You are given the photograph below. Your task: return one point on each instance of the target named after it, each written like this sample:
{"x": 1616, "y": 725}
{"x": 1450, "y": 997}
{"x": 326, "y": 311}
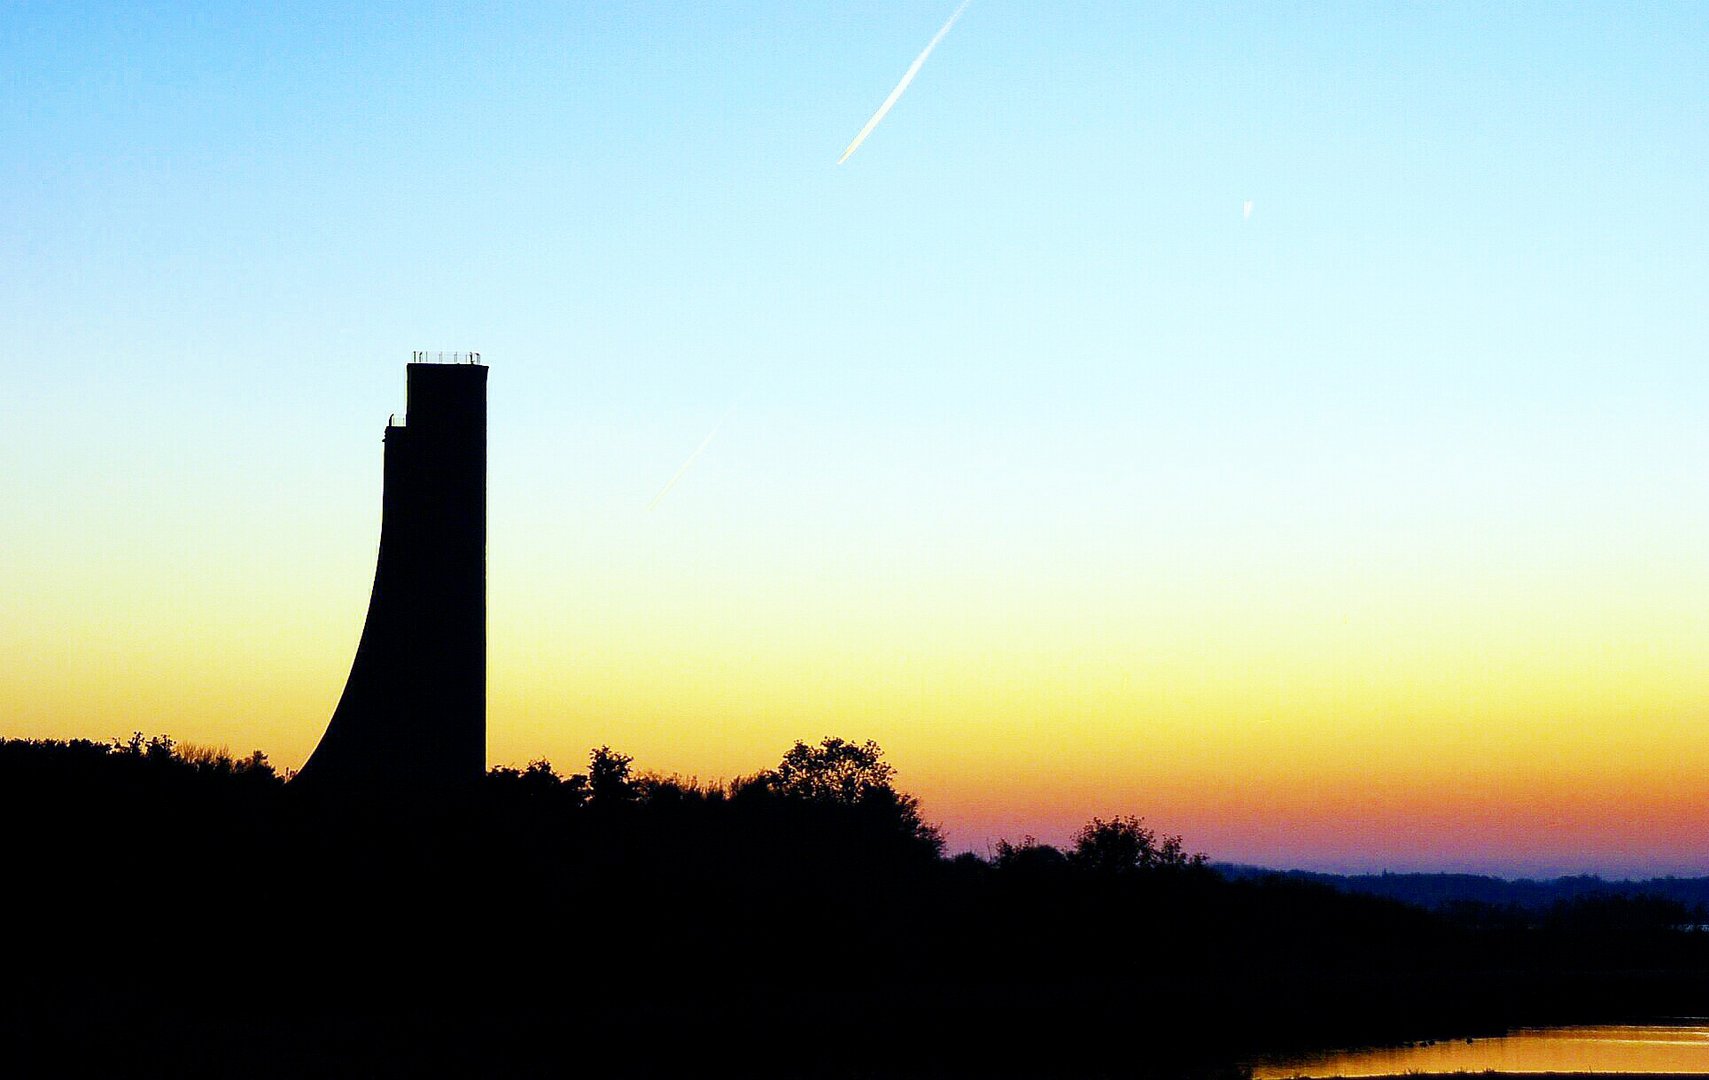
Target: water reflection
{"x": 1635, "y": 1049}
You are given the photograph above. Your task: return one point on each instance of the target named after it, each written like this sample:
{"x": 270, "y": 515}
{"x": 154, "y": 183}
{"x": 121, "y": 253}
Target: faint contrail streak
{"x": 907, "y": 77}
{"x": 704, "y": 443}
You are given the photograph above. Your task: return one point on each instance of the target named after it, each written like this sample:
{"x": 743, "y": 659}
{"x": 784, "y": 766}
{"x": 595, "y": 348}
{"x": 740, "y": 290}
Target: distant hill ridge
{"x": 1439, "y": 891}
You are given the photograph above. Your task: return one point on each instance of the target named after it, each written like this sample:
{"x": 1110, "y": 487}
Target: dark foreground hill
{"x": 172, "y": 911}
{"x": 1441, "y": 892}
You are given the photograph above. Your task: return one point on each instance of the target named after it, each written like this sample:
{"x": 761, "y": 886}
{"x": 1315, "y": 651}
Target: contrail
{"x": 704, "y": 443}
{"x": 907, "y": 77}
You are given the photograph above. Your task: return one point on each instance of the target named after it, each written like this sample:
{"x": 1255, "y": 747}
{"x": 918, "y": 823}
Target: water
{"x": 1658, "y": 1049}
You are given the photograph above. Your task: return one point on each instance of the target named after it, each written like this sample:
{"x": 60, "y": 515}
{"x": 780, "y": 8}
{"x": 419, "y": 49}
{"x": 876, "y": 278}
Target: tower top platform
{"x": 435, "y": 356}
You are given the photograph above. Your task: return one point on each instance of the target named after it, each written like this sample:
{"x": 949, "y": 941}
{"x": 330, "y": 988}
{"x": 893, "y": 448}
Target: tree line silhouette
{"x": 1522, "y": 898}
{"x": 174, "y": 906}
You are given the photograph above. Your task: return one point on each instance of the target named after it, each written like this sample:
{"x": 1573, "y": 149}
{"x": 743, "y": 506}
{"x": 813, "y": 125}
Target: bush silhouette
{"x": 1028, "y": 857}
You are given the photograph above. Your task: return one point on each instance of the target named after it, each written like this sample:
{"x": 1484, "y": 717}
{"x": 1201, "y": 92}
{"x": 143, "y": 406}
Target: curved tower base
{"x": 414, "y": 711}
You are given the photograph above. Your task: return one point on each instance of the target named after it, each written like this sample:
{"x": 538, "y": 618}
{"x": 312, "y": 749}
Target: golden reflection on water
{"x": 1645, "y": 1049}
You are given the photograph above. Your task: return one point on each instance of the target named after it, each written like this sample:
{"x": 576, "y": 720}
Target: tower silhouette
{"x": 414, "y": 710}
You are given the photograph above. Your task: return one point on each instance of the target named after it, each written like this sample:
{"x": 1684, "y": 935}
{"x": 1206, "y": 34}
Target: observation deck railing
{"x": 428, "y": 356}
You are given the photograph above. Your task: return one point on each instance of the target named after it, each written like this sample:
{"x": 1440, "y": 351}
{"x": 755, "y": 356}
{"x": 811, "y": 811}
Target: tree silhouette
{"x": 852, "y": 776}
{"x": 752, "y": 916}
{"x": 1124, "y": 845}
{"x": 608, "y": 778}
{"x": 835, "y": 771}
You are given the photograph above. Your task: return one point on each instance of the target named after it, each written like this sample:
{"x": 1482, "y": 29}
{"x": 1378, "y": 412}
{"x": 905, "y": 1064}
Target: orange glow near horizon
{"x": 1291, "y": 713}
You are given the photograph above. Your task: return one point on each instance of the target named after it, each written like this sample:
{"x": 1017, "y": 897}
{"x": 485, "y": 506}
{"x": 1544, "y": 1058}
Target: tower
{"x": 414, "y": 710}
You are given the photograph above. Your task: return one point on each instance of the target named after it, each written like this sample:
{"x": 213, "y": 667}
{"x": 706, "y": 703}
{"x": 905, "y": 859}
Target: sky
{"x": 1363, "y": 529}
